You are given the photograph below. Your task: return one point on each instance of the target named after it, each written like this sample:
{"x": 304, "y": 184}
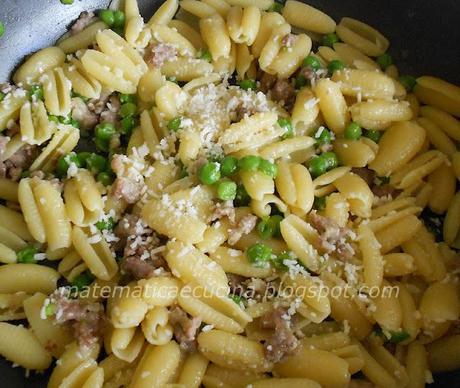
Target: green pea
{"x": 50, "y": 309}
{"x": 269, "y": 227}
{"x": 264, "y": 229}
{"x": 384, "y": 61}
{"x": 408, "y": 82}
{"x": 106, "y": 178}
{"x": 238, "y": 299}
{"x": 353, "y": 131}
{"x": 64, "y": 162}
{"x": 247, "y": 84}
{"x": 278, "y": 260}
{"x": 128, "y": 109}
{"x": 83, "y": 157}
{"x": 398, "y": 336}
{"x": 226, "y": 190}
{"x": 319, "y": 203}
{"x": 96, "y": 163}
{"x": 335, "y": 65}
{"x": 2, "y": 29}
{"x": 127, "y": 125}
{"x": 276, "y": 7}
{"x": 54, "y": 119}
{"x": 312, "y": 62}
{"x": 323, "y": 136}
{"x": 242, "y": 197}
{"x": 317, "y": 166}
{"x": 102, "y": 145}
{"x": 330, "y": 39}
{"x": 65, "y": 120}
{"x": 106, "y": 224}
{"x": 106, "y": 15}
{"x": 36, "y": 93}
{"x": 67, "y": 2}
{"x": 274, "y": 221}
{"x": 300, "y": 81}
{"x": 119, "y": 19}
{"x": 259, "y": 254}
{"x": 204, "y": 54}
{"x": 287, "y": 125}
{"x": 83, "y": 280}
{"x": 229, "y": 166}
{"x": 175, "y": 124}
{"x": 104, "y": 131}
{"x": 268, "y": 168}
{"x": 2, "y": 96}
{"x": 249, "y": 163}
{"x": 331, "y": 160}
{"x": 125, "y": 98}
{"x": 25, "y": 174}
{"x": 209, "y": 173}
{"x": 74, "y": 123}
{"x": 373, "y": 134}
{"x": 27, "y": 255}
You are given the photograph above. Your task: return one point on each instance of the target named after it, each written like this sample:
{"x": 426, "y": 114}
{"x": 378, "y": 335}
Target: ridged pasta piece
{"x": 127, "y": 343}
{"x": 217, "y": 376}
{"x": 324, "y": 367}
{"x": 157, "y": 366}
{"x": 156, "y": 327}
{"x": 387, "y": 308}
{"x": 438, "y": 93}
{"x": 35, "y": 128}
{"x": 262, "y": 208}
{"x": 219, "y": 311}
{"x": 243, "y": 24}
{"x": 56, "y": 91}
{"x": 398, "y": 145}
{"x": 444, "y": 355}
{"x": 193, "y": 370}
{"x": 337, "y": 208}
{"x": 398, "y": 264}
{"x": 305, "y": 111}
{"x": 38, "y": 64}
{"x": 451, "y": 227}
{"x": 96, "y": 254}
{"x": 44, "y": 212}
{"x": 29, "y": 278}
{"x": 233, "y": 351}
{"x": 252, "y": 131}
{"x": 443, "y": 185}
{"x": 127, "y": 307}
{"x": 160, "y": 290}
{"x": 10, "y": 108}
{"x": 354, "y": 58}
{"x": 332, "y": 105}
{"x": 236, "y": 262}
{"x": 444, "y": 120}
{"x": 10, "y": 244}
{"x": 268, "y": 23}
{"x": 437, "y": 137}
{"x": 82, "y": 82}
{"x": 20, "y": 346}
{"x": 372, "y": 259}
{"x": 76, "y": 367}
{"x": 164, "y": 13}
{"x": 299, "y": 237}
{"x": 295, "y": 187}
{"x": 63, "y": 141}
{"x": 81, "y": 40}
{"x": 117, "y": 64}
{"x": 357, "y": 193}
{"x": 190, "y": 265}
{"x": 411, "y": 322}
{"x": 285, "y": 383}
{"x": 398, "y": 232}
{"x": 83, "y": 201}
{"x": 216, "y": 35}
{"x": 364, "y": 83}
{"x": 353, "y": 153}
{"x": 379, "y": 114}
{"x": 307, "y": 18}
{"x": 362, "y": 36}
{"x": 257, "y": 184}
{"x": 52, "y": 337}
{"x": 71, "y": 265}
{"x": 136, "y": 33}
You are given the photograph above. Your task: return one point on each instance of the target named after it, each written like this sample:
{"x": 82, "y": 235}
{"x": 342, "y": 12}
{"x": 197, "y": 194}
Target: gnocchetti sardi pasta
{"x": 232, "y": 193}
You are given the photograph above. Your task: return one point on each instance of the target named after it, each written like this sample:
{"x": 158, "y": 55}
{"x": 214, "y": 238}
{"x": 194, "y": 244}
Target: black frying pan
{"x": 424, "y": 36}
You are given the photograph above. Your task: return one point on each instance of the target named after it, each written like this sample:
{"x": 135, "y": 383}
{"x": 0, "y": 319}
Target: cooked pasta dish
{"x": 234, "y": 193}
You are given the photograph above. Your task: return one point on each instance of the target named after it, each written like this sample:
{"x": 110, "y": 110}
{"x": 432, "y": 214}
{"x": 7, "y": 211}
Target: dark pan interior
{"x": 424, "y": 36}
